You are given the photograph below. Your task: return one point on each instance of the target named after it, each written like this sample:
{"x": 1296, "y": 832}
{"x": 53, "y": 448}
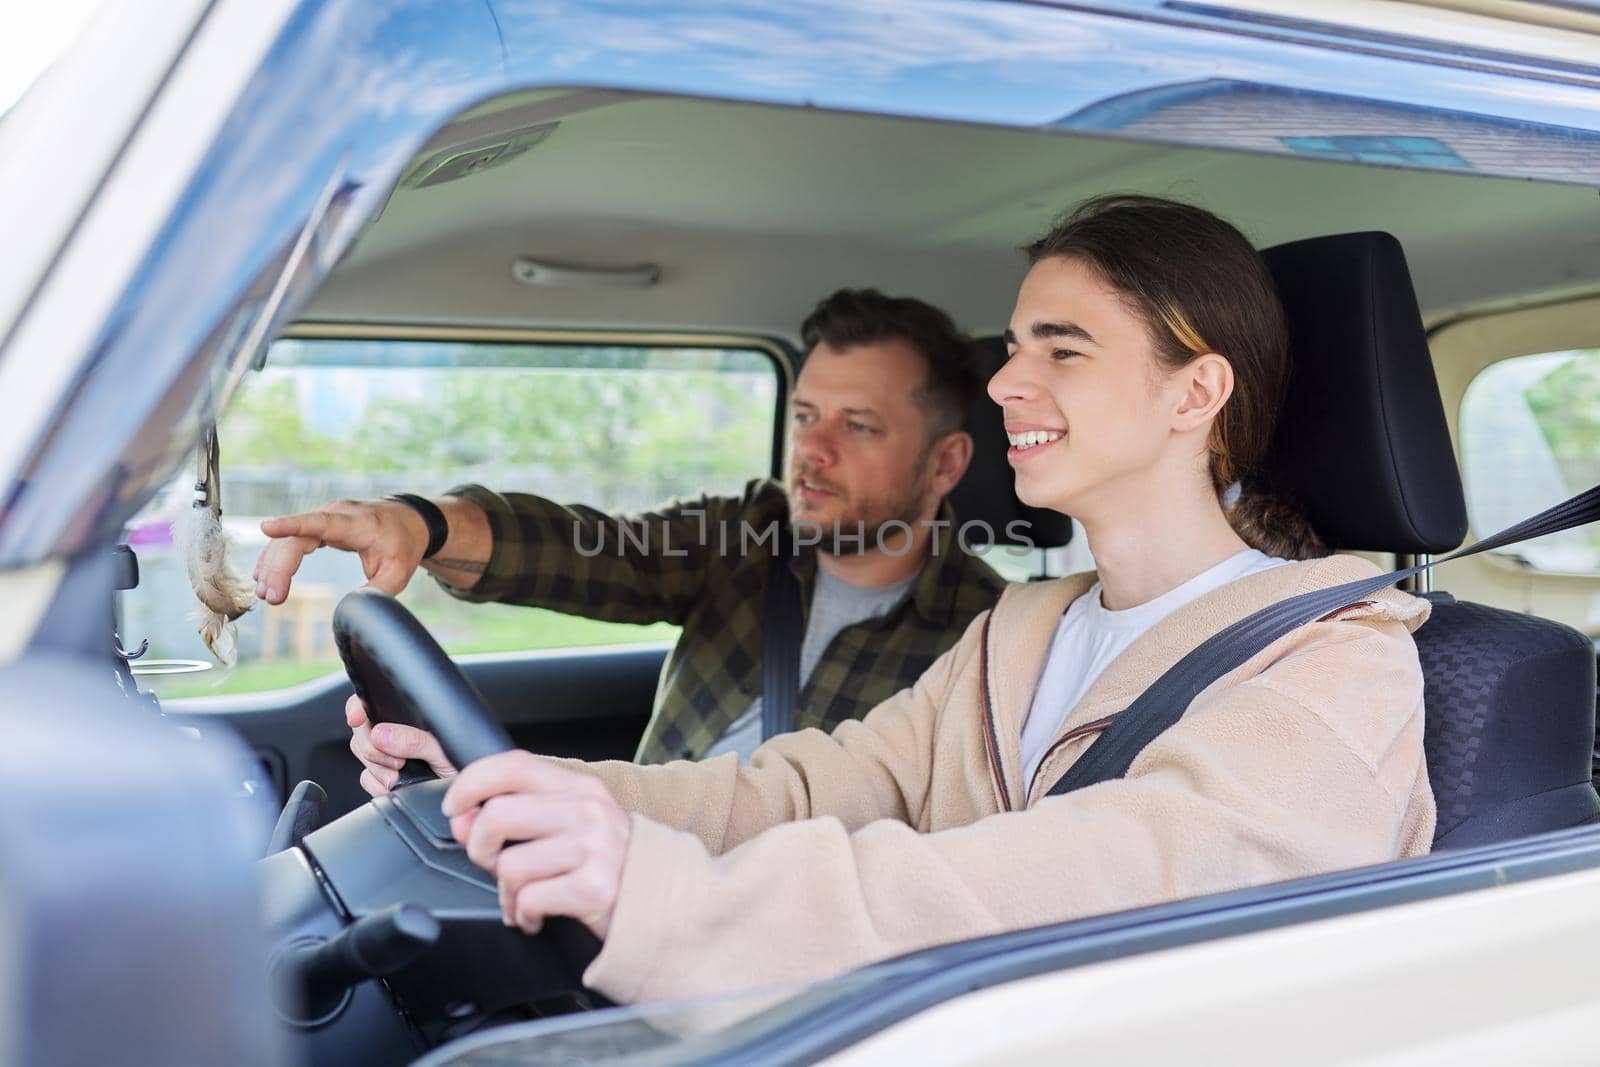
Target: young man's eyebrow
{"x": 1046, "y": 330}
{"x": 862, "y": 411}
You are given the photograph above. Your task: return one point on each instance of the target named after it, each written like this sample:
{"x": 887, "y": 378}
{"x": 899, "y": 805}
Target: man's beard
{"x": 863, "y": 524}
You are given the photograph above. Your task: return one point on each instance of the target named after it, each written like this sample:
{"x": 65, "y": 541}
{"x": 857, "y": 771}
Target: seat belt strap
{"x": 782, "y": 631}
{"x": 1165, "y": 701}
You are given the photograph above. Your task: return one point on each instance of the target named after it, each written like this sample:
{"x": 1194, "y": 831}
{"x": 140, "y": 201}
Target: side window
{"x": 615, "y": 427}
{"x": 1530, "y": 437}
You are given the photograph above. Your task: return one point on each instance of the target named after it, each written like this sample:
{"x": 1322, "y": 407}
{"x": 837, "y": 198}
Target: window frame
{"x": 1464, "y": 345}
{"x": 1507, "y": 558}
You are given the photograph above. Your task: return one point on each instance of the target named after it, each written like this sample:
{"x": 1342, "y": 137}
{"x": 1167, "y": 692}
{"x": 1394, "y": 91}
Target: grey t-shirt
{"x": 835, "y": 604}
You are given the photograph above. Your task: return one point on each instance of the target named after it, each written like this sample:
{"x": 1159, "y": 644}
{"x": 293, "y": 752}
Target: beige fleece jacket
{"x": 914, "y": 827}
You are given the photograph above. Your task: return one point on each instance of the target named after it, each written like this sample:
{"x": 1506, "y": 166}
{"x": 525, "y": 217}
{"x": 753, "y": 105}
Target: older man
{"x": 876, "y": 443}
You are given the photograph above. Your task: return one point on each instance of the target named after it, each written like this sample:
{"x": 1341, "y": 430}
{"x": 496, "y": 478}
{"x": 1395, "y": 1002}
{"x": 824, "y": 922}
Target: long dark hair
{"x": 1199, "y": 286}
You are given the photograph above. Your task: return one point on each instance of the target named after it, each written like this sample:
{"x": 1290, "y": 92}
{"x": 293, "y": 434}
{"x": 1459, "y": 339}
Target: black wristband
{"x": 432, "y": 517}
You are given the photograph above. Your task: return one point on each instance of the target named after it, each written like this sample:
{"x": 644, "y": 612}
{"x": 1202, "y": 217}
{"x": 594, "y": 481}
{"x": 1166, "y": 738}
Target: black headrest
{"x": 1362, "y": 442}
{"x": 987, "y": 492}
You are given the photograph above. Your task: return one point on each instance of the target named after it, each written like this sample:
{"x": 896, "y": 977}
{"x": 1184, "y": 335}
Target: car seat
{"x": 1362, "y": 444}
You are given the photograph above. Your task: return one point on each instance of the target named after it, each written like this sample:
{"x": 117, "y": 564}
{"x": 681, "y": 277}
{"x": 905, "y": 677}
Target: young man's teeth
{"x": 1032, "y": 438}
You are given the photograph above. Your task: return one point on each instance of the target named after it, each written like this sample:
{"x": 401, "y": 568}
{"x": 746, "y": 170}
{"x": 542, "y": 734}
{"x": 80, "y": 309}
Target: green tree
{"x": 624, "y": 435}
{"x": 1566, "y": 404}
{"x": 264, "y": 428}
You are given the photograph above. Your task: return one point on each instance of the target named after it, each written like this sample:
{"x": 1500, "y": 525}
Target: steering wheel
{"x": 402, "y": 675}
{"x": 393, "y": 862}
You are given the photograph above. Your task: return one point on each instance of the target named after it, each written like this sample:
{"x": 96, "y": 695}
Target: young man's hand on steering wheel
{"x": 554, "y": 839}
{"x": 384, "y": 748}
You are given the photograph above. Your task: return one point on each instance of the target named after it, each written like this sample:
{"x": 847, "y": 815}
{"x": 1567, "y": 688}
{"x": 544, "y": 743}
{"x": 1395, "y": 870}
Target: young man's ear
{"x": 950, "y": 456}
{"x": 1208, "y": 383}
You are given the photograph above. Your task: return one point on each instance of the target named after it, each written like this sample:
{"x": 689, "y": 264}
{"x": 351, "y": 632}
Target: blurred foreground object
{"x": 131, "y": 931}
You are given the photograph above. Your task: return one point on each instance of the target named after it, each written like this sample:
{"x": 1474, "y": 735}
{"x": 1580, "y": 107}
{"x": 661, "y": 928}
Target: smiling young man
{"x": 876, "y": 443}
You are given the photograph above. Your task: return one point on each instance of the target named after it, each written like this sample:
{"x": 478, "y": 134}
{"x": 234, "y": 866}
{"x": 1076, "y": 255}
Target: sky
{"x": 31, "y": 36}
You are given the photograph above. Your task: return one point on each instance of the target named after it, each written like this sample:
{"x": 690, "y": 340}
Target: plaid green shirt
{"x": 703, "y": 564}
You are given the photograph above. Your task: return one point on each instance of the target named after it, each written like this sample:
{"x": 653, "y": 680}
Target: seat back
{"x": 1507, "y": 739}
{"x": 1363, "y": 444}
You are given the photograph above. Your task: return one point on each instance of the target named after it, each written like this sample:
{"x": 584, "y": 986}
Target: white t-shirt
{"x": 1090, "y": 635}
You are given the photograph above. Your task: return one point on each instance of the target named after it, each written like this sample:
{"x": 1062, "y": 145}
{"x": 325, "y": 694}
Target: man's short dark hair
{"x": 866, "y": 316}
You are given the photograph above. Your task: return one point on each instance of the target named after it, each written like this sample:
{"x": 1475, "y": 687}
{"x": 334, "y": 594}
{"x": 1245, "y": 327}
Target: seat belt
{"x": 1166, "y": 700}
{"x": 782, "y": 631}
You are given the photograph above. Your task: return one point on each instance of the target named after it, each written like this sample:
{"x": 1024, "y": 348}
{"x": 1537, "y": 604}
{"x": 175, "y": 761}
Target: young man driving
{"x": 876, "y": 443}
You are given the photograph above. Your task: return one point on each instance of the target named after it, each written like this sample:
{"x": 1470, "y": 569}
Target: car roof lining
{"x": 753, "y": 212}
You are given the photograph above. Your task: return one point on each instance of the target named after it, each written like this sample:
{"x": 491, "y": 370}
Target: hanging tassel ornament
{"x": 223, "y": 594}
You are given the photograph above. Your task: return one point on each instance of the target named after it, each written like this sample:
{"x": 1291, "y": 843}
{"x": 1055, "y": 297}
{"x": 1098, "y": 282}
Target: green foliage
{"x": 630, "y": 434}
{"x": 264, "y": 426}
{"x": 1566, "y": 403}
